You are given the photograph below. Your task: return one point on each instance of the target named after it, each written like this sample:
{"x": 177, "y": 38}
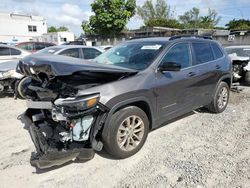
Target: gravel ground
{"x": 199, "y": 150}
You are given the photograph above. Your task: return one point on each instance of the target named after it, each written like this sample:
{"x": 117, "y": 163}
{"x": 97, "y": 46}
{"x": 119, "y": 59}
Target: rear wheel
{"x": 127, "y": 132}
{"x": 220, "y": 99}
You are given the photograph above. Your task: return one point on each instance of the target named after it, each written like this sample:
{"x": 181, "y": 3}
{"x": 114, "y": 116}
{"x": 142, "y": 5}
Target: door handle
{"x": 191, "y": 74}
{"x": 217, "y": 66}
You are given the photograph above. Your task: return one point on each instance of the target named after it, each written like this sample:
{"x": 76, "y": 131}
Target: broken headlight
{"x": 79, "y": 103}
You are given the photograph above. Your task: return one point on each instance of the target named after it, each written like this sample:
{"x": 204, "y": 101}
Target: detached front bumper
{"x": 47, "y": 156}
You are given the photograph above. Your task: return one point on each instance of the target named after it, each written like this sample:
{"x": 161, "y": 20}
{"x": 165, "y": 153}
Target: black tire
{"x": 215, "y": 106}
{"x": 247, "y": 78}
{"x": 110, "y": 139}
{"x": 19, "y": 91}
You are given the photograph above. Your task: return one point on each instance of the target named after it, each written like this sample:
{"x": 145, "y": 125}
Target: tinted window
{"x": 27, "y": 46}
{"x": 90, "y": 53}
{"x": 217, "y": 52}
{"x": 39, "y": 46}
{"x": 48, "y": 44}
{"x": 4, "y": 51}
{"x": 203, "y": 53}
{"x": 74, "y": 52}
{"x": 180, "y": 53}
{"x": 14, "y": 51}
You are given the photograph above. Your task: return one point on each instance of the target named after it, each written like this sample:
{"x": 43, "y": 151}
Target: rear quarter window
{"x": 217, "y": 51}
{"x": 203, "y": 53}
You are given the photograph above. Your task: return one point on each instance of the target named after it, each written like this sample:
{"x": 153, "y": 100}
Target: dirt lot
{"x": 200, "y": 150}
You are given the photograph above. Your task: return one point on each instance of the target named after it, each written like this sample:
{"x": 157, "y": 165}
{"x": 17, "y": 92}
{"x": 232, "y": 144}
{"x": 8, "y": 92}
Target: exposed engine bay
{"x": 63, "y": 125}
{"x": 241, "y": 65}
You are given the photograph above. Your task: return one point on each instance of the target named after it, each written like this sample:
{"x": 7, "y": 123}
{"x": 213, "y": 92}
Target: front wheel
{"x": 127, "y": 132}
{"x": 220, "y": 99}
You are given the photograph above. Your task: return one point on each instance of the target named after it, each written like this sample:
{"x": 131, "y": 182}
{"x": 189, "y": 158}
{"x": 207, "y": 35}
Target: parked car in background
{"x": 240, "y": 56}
{"x": 10, "y": 53}
{"x": 76, "y": 107}
{"x": 34, "y": 46}
{"x": 9, "y": 78}
{"x": 76, "y": 51}
{"x": 77, "y": 42}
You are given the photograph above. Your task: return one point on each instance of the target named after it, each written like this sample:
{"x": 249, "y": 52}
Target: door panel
{"x": 175, "y": 90}
{"x": 208, "y": 71}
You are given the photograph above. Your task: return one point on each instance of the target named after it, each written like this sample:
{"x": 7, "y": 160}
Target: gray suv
{"x": 77, "y": 107}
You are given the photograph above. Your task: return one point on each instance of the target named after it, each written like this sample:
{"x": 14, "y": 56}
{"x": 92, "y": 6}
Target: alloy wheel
{"x": 222, "y": 97}
{"x": 130, "y": 133}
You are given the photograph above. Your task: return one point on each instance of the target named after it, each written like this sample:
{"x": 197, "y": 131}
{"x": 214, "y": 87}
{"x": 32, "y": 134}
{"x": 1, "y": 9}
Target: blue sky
{"x": 70, "y": 13}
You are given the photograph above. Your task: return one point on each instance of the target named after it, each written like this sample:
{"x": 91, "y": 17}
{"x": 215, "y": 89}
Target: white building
{"x": 21, "y": 28}
{"x": 57, "y": 38}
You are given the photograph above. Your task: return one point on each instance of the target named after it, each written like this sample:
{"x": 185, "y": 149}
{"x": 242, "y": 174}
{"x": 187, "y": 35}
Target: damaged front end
{"x": 63, "y": 125}
{"x": 65, "y": 130}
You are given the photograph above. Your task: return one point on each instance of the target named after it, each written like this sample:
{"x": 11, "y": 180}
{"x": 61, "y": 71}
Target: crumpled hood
{"x": 234, "y": 57}
{"x": 56, "y": 65}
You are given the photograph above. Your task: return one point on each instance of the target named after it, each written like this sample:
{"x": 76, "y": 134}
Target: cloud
{"x": 72, "y": 10}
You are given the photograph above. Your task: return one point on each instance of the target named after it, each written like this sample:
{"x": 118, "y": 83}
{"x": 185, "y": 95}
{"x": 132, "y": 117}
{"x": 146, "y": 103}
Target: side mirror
{"x": 169, "y": 66}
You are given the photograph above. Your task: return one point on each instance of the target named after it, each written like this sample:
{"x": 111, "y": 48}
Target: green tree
{"x": 211, "y": 20}
{"x": 110, "y": 17}
{"x": 52, "y": 29}
{"x": 149, "y": 12}
{"x": 171, "y": 23}
{"x": 62, "y": 28}
{"x": 241, "y": 24}
{"x": 192, "y": 19}
{"x": 157, "y": 15}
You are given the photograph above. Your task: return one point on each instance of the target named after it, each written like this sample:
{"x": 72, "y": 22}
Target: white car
{"x": 10, "y": 53}
{"x": 240, "y": 60}
{"x": 76, "y": 51}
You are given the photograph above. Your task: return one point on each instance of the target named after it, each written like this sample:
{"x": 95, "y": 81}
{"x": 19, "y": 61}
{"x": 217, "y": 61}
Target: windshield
{"x": 239, "y": 51}
{"x": 137, "y": 55}
{"x": 51, "y": 50}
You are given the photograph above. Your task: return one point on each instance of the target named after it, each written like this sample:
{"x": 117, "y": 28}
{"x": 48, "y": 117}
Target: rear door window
{"x": 14, "y": 51}
{"x": 203, "y": 53}
{"x": 4, "y": 51}
{"x": 180, "y": 54}
{"x": 90, "y": 53}
{"x": 73, "y": 52}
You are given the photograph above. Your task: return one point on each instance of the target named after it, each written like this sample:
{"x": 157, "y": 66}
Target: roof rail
{"x": 191, "y": 36}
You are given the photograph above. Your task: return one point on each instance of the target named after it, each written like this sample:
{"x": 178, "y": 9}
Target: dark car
{"x": 34, "y": 46}
{"x": 116, "y": 100}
